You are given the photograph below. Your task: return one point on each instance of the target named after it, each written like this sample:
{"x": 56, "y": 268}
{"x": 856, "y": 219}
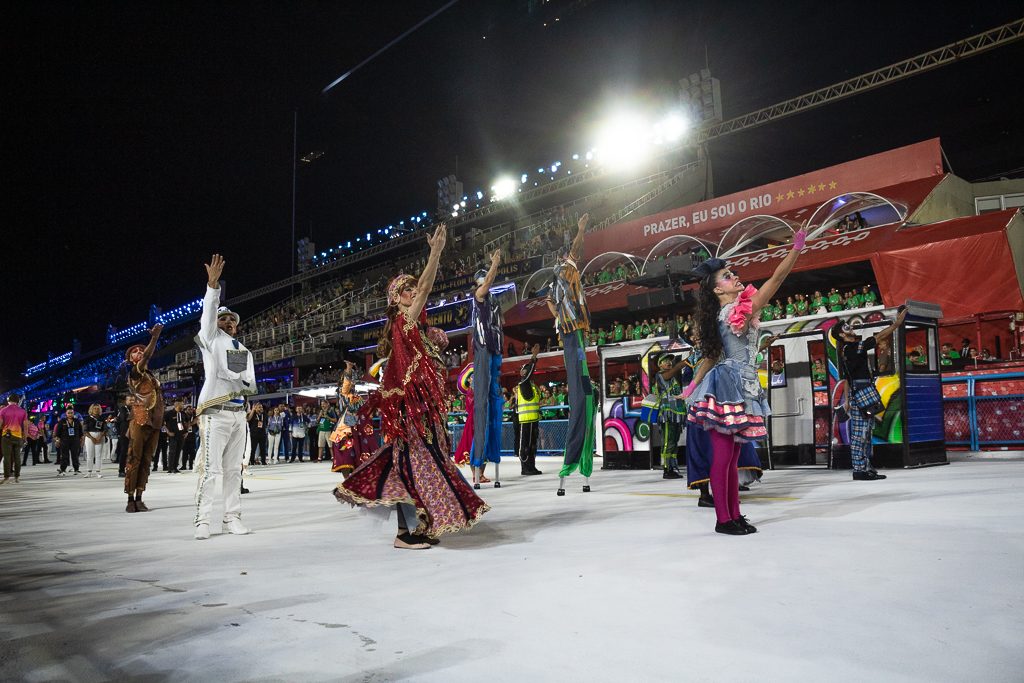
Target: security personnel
{"x": 229, "y": 378}
{"x": 527, "y": 399}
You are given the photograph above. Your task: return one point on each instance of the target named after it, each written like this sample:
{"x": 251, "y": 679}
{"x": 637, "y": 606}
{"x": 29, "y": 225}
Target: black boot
{"x": 705, "y": 500}
{"x": 668, "y": 473}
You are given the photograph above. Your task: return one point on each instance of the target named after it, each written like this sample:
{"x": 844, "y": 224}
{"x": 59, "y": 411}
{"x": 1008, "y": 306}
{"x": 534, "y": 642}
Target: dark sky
{"x": 140, "y": 137}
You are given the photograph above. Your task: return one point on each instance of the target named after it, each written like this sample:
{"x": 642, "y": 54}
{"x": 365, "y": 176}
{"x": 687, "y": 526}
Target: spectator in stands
{"x": 965, "y": 348}
{"x": 818, "y": 375}
{"x": 819, "y": 304}
{"x": 801, "y": 305}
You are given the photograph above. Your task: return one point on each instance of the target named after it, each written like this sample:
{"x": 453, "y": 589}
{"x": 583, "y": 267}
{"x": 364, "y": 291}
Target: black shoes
{"x": 670, "y": 474}
{"x": 868, "y": 475}
{"x": 706, "y": 502}
{"x": 731, "y": 528}
{"x": 527, "y": 473}
{"x": 744, "y": 488}
{"x": 245, "y": 490}
{"x": 742, "y": 521}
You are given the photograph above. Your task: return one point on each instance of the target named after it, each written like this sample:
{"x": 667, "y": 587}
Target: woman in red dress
{"x": 413, "y": 470}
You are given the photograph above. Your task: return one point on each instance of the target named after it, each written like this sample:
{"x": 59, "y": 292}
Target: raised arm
{"x": 211, "y": 301}
{"x": 426, "y": 279}
{"x": 703, "y": 367}
{"x": 768, "y": 289}
{"x": 879, "y": 336}
{"x": 576, "y": 250}
{"x": 492, "y": 273}
{"x": 154, "y": 334}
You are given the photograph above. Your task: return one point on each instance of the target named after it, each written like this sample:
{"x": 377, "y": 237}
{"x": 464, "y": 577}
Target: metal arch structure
{"x": 629, "y": 257}
{"x": 926, "y": 61}
{"x": 675, "y": 238}
{"x": 526, "y": 285}
{"x": 761, "y": 228}
{"x": 868, "y": 199}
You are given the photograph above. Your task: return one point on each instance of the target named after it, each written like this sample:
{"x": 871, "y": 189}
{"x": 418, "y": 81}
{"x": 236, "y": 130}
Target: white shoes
{"x": 202, "y": 532}
{"x": 88, "y": 474}
{"x": 235, "y": 526}
{"x": 99, "y": 476}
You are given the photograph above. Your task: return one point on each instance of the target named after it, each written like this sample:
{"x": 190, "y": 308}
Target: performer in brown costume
{"x": 146, "y": 402}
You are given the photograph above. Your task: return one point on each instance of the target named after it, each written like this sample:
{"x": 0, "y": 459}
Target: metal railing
{"x": 983, "y": 417}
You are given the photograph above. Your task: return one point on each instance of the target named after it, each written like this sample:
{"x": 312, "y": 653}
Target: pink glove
{"x": 798, "y": 239}
{"x": 688, "y": 390}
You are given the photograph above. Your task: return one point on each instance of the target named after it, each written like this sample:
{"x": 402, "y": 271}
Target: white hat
{"x": 224, "y": 310}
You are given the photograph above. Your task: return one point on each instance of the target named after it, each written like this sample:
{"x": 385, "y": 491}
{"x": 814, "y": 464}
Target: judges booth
{"x": 800, "y": 372}
{"x": 624, "y": 437}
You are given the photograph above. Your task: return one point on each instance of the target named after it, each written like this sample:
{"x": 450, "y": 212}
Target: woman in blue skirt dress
{"x": 728, "y": 401}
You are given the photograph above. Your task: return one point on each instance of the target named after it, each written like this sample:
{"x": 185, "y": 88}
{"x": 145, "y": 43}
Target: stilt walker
{"x": 488, "y": 340}
{"x": 526, "y": 407}
{"x": 568, "y": 305}
{"x": 729, "y": 403}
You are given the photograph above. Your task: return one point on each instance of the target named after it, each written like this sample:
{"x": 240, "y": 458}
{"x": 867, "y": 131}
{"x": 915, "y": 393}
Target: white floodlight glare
{"x": 522, "y": 178}
{"x": 623, "y": 141}
{"x": 672, "y": 127}
{"x": 503, "y": 187}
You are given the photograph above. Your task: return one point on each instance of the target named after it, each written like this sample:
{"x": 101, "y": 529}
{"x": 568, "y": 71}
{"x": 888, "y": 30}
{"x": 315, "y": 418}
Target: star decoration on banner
{"x": 821, "y": 187}
{"x": 810, "y": 189}
{"x": 801, "y": 192}
{"x": 779, "y": 197}
{"x": 832, "y": 185}
{"x": 789, "y": 195}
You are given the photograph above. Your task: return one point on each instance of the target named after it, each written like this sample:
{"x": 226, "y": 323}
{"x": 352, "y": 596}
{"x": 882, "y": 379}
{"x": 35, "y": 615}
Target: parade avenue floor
{"x": 916, "y": 578}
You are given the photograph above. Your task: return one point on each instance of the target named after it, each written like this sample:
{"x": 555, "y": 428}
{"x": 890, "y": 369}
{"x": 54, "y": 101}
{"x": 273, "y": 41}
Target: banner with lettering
{"x": 913, "y": 162}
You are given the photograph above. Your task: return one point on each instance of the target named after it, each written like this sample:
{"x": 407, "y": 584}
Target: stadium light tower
{"x": 503, "y": 188}
{"x": 623, "y": 141}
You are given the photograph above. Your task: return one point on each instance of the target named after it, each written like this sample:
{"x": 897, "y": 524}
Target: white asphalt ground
{"x": 917, "y": 578}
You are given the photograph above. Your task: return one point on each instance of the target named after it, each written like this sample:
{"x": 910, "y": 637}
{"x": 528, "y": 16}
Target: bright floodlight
{"x": 672, "y": 127}
{"x": 623, "y": 141}
{"x": 503, "y": 187}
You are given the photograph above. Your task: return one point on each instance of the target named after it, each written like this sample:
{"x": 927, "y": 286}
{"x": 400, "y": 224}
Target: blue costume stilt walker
{"x": 487, "y": 346}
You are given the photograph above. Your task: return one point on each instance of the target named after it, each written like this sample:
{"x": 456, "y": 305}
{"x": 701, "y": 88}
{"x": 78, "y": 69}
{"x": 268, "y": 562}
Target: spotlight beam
{"x": 384, "y": 49}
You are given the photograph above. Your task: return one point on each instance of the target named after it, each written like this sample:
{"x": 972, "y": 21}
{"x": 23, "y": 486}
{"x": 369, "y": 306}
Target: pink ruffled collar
{"x": 742, "y": 309}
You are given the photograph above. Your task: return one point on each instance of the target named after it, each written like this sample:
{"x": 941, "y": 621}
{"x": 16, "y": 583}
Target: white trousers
{"x": 223, "y": 443}
{"x": 273, "y": 443}
{"x": 94, "y": 453}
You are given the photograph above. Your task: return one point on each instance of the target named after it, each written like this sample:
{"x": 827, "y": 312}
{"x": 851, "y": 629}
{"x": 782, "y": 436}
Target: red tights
{"x": 725, "y": 482}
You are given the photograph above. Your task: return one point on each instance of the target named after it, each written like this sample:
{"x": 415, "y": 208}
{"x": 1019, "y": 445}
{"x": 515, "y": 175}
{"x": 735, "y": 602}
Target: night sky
{"x": 140, "y": 137}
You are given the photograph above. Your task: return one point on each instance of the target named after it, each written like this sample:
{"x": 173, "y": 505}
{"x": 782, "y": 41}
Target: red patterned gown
{"x": 414, "y": 465}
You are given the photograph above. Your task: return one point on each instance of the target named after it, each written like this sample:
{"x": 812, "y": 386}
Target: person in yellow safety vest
{"x": 527, "y": 416}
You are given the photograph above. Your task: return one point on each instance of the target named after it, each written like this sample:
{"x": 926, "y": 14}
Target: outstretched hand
{"x": 438, "y": 239}
{"x": 495, "y": 258}
{"x": 214, "y": 269}
{"x": 799, "y": 238}
{"x": 536, "y": 349}
{"x": 582, "y": 224}
{"x": 156, "y": 330}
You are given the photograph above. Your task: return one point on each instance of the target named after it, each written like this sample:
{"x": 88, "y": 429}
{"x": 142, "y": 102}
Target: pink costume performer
{"x": 465, "y": 448}
{"x": 413, "y": 467}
